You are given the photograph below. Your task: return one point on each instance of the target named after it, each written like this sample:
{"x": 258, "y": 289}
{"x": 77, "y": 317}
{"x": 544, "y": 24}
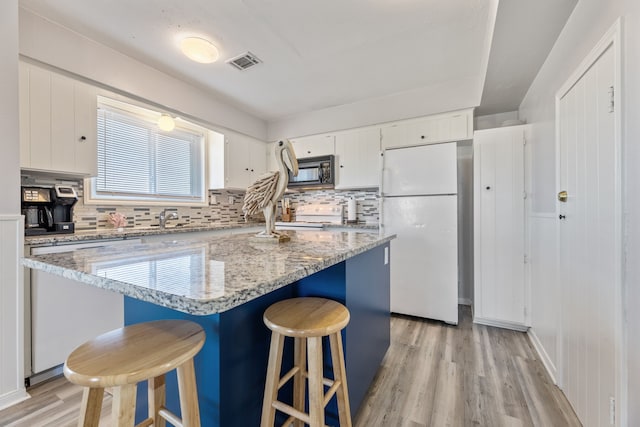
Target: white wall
{"x": 588, "y": 23}
{"x": 465, "y": 222}
{"x": 11, "y": 293}
{"x": 491, "y": 121}
{"x": 422, "y": 102}
{"x": 60, "y": 47}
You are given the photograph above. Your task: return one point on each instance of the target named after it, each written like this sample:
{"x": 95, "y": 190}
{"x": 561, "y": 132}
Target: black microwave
{"x": 314, "y": 172}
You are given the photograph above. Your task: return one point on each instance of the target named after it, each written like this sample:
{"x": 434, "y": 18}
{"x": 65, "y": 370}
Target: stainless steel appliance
{"x": 48, "y": 210}
{"x": 314, "y": 172}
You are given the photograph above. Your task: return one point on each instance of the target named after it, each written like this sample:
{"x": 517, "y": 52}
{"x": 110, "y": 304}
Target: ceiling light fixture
{"x": 199, "y": 50}
{"x": 166, "y": 123}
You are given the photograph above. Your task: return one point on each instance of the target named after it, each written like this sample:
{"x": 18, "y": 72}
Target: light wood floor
{"x": 466, "y": 375}
{"x": 433, "y": 375}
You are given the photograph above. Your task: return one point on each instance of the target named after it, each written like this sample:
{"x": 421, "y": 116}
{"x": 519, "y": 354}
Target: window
{"x": 139, "y": 162}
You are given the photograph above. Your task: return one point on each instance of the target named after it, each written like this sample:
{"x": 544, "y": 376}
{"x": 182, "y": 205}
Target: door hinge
{"x": 612, "y": 99}
{"x": 526, "y": 259}
{"x": 524, "y": 142}
{"x": 612, "y": 410}
{"x": 524, "y": 194}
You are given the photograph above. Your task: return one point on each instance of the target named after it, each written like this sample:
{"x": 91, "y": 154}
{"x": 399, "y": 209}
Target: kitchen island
{"x": 225, "y": 284}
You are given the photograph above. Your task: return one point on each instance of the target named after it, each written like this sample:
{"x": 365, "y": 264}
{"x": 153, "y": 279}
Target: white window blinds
{"x": 138, "y": 161}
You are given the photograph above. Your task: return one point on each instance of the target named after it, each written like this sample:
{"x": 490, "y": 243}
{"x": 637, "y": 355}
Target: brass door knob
{"x": 562, "y": 196}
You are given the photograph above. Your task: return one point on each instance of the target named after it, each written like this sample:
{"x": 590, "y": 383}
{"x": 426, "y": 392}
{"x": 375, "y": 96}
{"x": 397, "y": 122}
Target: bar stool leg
{"x": 188, "y": 394}
{"x": 156, "y": 399}
{"x": 340, "y": 373}
{"x": 272, "y": 380}
{"x": 91, "y": 407}
{"x": 299, "y": 380}
{"x": 124, "y": 405}
{"x": 316, "y": 388}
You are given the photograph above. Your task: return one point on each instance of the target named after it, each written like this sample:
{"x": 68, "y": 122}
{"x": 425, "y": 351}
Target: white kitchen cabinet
{"x": 236, "y": 161}
{"x": 86, "y": 128}
{"x": 58, "y": 128}
{"x": 499, "y": 227}
{"x": 454, "y": 126}
{"x": 312, "y": 146}
{"x": 358, "y": 159}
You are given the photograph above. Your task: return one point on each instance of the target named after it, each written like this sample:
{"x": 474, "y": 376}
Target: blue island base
{"x": 231, "y": 367}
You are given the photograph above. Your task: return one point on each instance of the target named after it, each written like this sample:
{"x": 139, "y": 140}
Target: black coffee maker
{"x": 48, "y": 210}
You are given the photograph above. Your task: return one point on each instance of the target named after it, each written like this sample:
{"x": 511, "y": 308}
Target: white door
{"x": 589, "y": 240}
{"x": 424, "y": 262}
{"x": 499, "y": 226}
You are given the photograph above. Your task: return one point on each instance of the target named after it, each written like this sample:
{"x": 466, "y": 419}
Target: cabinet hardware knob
{"x": 246, "y": 169}
{"x": 308, "y": 152}
{"x": 83, "y": 138}
{"x": 251, "y": 170}
{"x": 561, "y": 216}
{"x": 341, "y": 166}
{"x": 488, "y": 188}
{"x": 422, "y": 137}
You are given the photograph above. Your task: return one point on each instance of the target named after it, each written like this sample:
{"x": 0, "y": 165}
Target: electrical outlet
{"x": 213, "y": 200}
{"x": 231, "y": 200}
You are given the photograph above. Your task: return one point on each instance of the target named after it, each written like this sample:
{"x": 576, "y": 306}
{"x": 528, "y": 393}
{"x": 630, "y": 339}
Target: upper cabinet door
{"x": 63, "y": 131}
{"x": 57, "y": 123}
{"x": 312, "y": 146}
{"x": 358, "y": 160}
{"x": 40, "y": 118}
{"x": 454, "y": 126}
{"x": 245, "y": 160}
{"x": 85, "y": 136}
{"x": 395, "y": 136}
{"x": 25, "y": 132}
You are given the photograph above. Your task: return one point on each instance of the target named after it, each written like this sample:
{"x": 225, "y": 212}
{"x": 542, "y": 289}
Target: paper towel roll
{"x": 351, "y": 209}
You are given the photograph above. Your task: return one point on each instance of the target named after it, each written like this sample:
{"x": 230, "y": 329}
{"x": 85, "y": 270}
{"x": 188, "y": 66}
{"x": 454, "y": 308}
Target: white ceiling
{"x": 524, "y": 34}
{"x": 317, "y": 54}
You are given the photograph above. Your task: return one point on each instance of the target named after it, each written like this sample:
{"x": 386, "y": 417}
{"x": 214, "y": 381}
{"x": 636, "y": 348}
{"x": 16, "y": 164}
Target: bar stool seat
{"x": 123, "y": 357}
{"x": 307, "y": 320}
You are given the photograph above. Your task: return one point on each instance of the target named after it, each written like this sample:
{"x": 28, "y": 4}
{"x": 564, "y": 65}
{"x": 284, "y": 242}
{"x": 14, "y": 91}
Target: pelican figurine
{"x": 265, "y": 192}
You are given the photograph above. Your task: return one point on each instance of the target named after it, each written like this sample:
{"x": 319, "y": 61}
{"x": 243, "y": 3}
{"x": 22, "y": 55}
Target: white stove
{"x": 313, "y": 217}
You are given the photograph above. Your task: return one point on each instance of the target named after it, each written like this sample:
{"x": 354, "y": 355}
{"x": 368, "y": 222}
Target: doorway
{"x": 589, "y": 233}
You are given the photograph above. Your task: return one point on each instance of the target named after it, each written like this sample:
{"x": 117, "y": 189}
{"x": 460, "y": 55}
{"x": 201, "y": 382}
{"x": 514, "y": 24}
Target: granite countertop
{"x": 127, "y": 233}
{"x": 209, "y": 275}
{"x": 110, "y": 234}
{"x": 358, "y": 225}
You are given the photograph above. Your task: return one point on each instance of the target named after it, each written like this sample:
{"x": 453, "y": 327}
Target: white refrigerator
{"x": 420, "y": 205}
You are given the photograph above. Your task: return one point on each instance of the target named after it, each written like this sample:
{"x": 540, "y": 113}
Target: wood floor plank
{"x": 433, "y": 375}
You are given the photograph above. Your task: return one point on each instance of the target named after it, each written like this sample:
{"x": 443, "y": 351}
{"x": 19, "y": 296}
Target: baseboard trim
{"x": 464, "y": 301}
{"x": 501, "y": 324}
{"x": 13, "y": 398}
{"x": 542, "y": 354}
{"x": 43, "y": 376}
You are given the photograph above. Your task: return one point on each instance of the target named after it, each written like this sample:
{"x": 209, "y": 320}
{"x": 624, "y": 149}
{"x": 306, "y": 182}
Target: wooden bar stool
{"x": 307, "y": 320}
{"x": 123, "y": 357}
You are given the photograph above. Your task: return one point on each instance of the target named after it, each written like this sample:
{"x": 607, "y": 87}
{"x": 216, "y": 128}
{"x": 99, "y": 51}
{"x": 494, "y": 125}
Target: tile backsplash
{"x": 367, "y": 202}
{"x": 224, "y": 207}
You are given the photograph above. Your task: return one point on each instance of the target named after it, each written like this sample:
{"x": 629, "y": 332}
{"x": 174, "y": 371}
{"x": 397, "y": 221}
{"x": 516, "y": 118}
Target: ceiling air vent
{"x": 244, "y": 61}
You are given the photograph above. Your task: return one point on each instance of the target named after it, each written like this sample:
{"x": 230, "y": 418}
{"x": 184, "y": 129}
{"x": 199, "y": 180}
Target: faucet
{"x": 164, "y": 216}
